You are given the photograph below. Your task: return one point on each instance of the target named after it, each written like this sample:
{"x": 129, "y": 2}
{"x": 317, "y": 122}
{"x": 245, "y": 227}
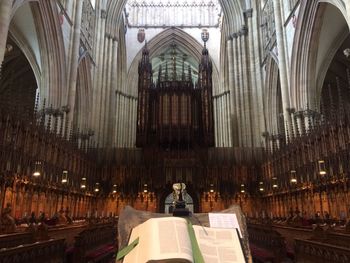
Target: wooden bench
{"x": 50, "y": 251}
{"x": 266, "y": 244}
{"x": 95, "y": 244}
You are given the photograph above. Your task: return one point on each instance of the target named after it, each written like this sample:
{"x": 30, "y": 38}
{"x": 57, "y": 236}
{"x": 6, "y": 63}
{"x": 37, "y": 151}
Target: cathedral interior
{"x": 106, "y": 104}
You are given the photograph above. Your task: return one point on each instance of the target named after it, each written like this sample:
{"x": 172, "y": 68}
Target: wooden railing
{"x": 51, "y": 251}
{"x": 95, "y": 244}
{"x": 266, "y": 243}
{"x": 16, "y": 239}
{"x": 308, "y": 251}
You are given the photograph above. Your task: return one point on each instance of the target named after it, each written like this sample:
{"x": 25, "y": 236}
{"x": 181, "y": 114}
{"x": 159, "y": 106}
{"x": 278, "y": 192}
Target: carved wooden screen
{"x": 173, "y": 113}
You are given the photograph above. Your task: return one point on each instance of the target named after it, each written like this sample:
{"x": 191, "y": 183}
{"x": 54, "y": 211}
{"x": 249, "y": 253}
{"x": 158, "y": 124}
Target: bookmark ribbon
{"x": 196, "y": 252}
{"x": 126, "y": 250}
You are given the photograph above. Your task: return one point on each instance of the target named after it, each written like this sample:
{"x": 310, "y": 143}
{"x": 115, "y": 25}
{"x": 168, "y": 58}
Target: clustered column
{"x": 74, "y": 58}
{"x": 282, "y": 62}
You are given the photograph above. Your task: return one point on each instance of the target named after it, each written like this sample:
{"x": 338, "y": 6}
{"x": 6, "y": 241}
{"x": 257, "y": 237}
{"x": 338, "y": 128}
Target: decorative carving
{"x": 88, "y": 26}
{"x": 249, "y": 13}
{"x": 204, "y": 13}
{"x": 268, "y": 29}
{"x": 7, "y": 222}
{"x": 172, "y": 109}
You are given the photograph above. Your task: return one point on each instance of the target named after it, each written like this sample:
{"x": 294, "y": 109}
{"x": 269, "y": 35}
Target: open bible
{"x": 168, "y": 239}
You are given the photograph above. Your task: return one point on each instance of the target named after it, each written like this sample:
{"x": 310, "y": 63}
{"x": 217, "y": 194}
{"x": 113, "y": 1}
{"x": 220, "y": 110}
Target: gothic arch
{"x": 161, "y": 41}
{"x": 272, "y": 100}
{"x": 51, "y": 49}
{"x": 84, "y": 95}
{"x": 309, "y": 56}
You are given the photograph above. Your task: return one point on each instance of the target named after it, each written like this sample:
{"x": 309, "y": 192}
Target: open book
{"x": 167, "y": 239}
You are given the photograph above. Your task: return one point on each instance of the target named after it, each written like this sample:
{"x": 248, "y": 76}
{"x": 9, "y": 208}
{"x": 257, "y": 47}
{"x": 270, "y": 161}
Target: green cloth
{"x": 122, "y": 253}
{"x": 196, "y": 252}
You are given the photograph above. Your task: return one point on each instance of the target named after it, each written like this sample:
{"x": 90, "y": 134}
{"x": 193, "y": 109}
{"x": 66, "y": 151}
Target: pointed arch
{"x": 83, "y": 104}
{"x": 309, "y": 62}
{"x": 159, "y": 43}
{"x": 49, "y": 38}
{"x": 272, "y": 100}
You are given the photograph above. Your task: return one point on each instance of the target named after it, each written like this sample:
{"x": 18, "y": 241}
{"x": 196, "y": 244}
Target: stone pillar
{"x": 230, "y": 99}
{"x": 99, "y": 51}
{"x": 282, "y": 62}
{"x": 119, "y": 118}
{"x": 5, "y": 18}
{"x": 221, "y": 139}
{"x": 256, "y": 96}
{"x": 114, "y": 84}
{"x": 246, "y": 94}
{"x": 74, "y": 59}
{"x": 235, "y": 93}
{"x": 229, "y": 122}
{"x": 239, "y": 88}
{"x": 106, "y": 86}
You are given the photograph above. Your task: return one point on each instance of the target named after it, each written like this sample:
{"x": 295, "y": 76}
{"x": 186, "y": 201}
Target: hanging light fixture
{"x": 83, "y": 183}
{"x": 293, "y": 177}
{"x": 261, "y": 187}
{"x": 274, "y": 183}
{"x": 211, "y": 190}
{"x": 242, "y": 188}
{"x": 114, "y": 191}
{"x": 37, "y": 169}
{"x": 97, "y": 187}
{"x": 145, "y": 190}
{"x": 64, "y": 177}
{"x": 322, "y": 167}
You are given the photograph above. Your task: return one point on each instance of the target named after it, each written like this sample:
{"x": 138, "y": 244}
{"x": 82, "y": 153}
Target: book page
{"x": 219, "y": 245}
{"x": 141, "y": 252}
{"x": 161, "y": 240}
{"x": 224, "y": 220}
{"x": 173, "y": 238}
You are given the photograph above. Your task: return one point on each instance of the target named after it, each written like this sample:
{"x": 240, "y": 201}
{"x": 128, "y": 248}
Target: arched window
{"x": 169, "y": 203}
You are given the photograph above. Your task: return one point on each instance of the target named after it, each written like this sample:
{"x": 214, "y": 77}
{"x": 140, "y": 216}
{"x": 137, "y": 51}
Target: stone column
{"x": 106, "y": 86}
{"x": 246, "y": 98}
{"x": 216, "y": 121}
{"x": 239, "y": 88}
{"x": 235, "y": 94}
{"x": 100, "y": 39}
{"x": 5, "y": 18}
{"x": 123, "y": 129}
{"x": 230, "y": 100}
{"x": 282, "y": 62}
{"x": 114, "y": 84}
{"x": 221, "y": 138}
{"x": 256, "y": 98}
{"x": 72, "y": 85}
{"x": 118, "y": 121}
{"x": 229, "y": 122}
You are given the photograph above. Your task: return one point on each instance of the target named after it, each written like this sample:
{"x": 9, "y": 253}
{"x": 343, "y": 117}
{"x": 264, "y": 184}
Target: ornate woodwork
{"x": 173, "y": 113}
{"x": 51, "y": 251}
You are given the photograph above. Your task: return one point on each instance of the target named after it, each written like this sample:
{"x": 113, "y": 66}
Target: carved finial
{"x": 166, "y": 71}
{"x": 189, "y": 73}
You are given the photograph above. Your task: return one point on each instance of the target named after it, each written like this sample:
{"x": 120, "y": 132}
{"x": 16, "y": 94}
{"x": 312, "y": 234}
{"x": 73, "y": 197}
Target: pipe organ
{"x": 174, "y": 113}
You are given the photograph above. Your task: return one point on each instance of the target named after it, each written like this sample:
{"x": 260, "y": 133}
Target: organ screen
{"x": 174, "y": 112}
